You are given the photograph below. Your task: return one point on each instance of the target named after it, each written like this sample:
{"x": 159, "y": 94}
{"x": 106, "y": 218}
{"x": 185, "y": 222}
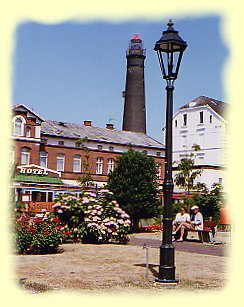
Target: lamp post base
{"x": 166, "y": 272}
{"x": 167, "y": 281}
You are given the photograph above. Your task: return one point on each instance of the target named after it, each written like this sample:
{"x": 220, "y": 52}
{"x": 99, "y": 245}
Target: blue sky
{"x": 76, "y": 71}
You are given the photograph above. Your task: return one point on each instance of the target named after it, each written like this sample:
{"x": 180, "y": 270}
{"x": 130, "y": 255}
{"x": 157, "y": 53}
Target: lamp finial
{"x": 170, "y": 24}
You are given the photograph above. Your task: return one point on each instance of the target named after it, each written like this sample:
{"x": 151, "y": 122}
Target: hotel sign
{"x": 33, "y": 171}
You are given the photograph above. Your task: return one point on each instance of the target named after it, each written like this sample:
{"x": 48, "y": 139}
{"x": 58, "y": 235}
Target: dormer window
{"x": 19, "y": 122}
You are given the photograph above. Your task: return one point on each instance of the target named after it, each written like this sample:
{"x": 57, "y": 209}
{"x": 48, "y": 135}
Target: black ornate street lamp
{"x": 170, "y": 50}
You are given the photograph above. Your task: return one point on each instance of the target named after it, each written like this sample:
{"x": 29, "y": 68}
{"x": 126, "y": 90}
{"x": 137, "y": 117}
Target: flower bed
{"x": 38, "y": 235}
{"x": 151, "y": 228}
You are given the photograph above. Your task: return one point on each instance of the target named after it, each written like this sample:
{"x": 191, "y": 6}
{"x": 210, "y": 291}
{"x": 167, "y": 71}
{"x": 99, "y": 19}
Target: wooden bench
{"x": 202, "y": 235}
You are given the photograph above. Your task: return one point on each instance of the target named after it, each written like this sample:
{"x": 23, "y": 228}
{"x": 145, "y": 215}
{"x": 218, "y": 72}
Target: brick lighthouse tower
{"x": 134, "y": 118}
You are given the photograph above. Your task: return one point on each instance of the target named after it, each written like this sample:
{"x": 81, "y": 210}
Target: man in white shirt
{"x": 196, "y": 223}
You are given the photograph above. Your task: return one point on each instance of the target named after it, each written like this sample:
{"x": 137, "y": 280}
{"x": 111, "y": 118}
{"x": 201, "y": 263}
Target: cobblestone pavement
{"x": 187, "y": 246}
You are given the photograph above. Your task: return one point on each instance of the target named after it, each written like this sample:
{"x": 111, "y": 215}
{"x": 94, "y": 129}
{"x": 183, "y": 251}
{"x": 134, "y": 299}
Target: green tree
{"x": 187, "y": 176}
{"x": 134, "y": 184}
{"x": 85, "y": 180}
{"x": 210, "y": 202}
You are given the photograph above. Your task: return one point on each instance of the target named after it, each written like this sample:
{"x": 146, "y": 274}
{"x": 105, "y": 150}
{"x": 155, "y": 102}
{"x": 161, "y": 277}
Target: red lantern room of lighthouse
{"x": 136, "y": 46}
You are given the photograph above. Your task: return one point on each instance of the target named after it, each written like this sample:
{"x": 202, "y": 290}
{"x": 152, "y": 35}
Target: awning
{"x": 37, "y": 179}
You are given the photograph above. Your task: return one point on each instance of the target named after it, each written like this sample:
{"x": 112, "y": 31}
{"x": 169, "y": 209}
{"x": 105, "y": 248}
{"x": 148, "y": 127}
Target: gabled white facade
{"x": 201, "y": 125}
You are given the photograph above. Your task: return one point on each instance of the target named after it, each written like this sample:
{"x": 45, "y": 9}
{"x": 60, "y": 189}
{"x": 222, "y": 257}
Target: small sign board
{"x": 25, "y": 198}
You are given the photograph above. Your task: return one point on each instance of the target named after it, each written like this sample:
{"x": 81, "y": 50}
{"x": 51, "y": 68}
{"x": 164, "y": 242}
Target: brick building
{"x": 50, "y": 155}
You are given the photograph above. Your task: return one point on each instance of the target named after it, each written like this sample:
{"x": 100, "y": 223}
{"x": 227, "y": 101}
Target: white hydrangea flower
{"x": 104, "y": 191}
{"x": 85, "y": 200}
{"x": 92, "y": 194}
{"x": 118, "y": 210}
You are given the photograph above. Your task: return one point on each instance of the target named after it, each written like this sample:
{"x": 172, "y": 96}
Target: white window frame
{"x": 43, "y": 155}
{"x": 28, "y": 131}
{"x": 201, "y": 118}
{"x": 185, "y": 119}
{"x": 19, "y": 126}
{"x": 25, "y": 156}
{"x": 99, "y": 166}
{"x": 77, "y": 164}
{"x": 110, "y": 165}
{"x": 61, "y": 160}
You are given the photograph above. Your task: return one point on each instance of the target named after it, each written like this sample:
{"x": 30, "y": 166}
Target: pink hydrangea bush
{"x": 98, "y": 219}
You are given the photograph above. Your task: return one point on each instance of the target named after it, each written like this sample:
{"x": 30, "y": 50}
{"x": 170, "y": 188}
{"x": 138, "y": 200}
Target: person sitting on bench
{"x": 195, "y": 224}
{"x": 182, "y": 216}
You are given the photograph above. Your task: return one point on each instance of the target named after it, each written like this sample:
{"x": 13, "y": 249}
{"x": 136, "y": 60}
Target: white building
{"x": 202, "y": 122}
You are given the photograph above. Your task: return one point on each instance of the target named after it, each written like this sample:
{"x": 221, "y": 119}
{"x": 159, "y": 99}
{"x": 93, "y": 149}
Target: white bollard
{"x": 147, "y": 258}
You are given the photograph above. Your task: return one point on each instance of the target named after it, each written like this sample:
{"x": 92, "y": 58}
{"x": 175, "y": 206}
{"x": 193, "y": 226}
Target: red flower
{"x": 151, "y": 228}
{"x": 38, "y": 220}
{"x": 68, "y": 233}
{"x": 206, "y": 228}
{"x": 32, "y": 229}
{"x": 56, "y": 220}
{"x": 46, "y": 233}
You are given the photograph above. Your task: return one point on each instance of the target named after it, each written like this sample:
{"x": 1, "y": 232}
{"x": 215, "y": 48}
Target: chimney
{"x": 110, "y": 126}
{"x": 87, "y": 122}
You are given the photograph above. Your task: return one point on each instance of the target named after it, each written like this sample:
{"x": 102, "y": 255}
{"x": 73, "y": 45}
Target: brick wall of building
{"x": 53, "y": 151}
{"x": 35, "y": 145}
